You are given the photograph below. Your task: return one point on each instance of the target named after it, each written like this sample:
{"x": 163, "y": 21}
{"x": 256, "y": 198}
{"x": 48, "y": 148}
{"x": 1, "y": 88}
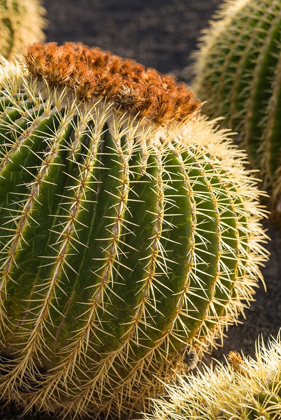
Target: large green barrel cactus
{"x": 242, "y": 388}
{"x": 21, "y": 23}
{"x": 238, "y": 72}
{"x": 129, "y": 230}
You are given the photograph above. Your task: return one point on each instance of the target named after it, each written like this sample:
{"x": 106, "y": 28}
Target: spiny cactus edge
{"x": 21, "y": 23}
{"x": 242, "y": 388}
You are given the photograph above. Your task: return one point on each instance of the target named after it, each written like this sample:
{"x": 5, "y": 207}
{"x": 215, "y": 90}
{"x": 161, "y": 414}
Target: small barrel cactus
{"x": 238, "y": 73}
{"x": 129, "y": 230}
{"x": 21, "y": 23}
{"x": 242, "y": 388}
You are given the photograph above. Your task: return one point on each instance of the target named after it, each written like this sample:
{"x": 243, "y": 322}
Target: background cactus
{"x": 21, "y": 23}
{"x": 238, "y": 74}
{"x": 243, "y": 388}
{"x": 129, "y": 230}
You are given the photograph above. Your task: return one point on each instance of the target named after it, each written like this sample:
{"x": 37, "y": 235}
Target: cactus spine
{"x": 21, "y": 23}
{"x": 129, "y": 230}
{"x": 242, "y": 388}
{"x": 238, "y": 73}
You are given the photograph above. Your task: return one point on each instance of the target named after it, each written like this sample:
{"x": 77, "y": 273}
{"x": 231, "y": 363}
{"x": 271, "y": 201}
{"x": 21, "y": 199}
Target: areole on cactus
{"x": 21, "y": 23}
{"x": 238, "y": 73}
{"x": 242, "y": 388}
{"x": 129, "y": 230}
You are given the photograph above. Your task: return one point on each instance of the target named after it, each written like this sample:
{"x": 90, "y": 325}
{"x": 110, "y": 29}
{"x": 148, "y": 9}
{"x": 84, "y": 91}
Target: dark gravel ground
{"x": 157, "y": 33}
{"x": 162, "y": 34}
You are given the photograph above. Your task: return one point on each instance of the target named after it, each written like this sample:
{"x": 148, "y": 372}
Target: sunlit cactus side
{"x": 129, "y": 230}
{"x": 238, "y": 73}
{"x": 21, "y": 23}
{"x": 242, "y": 388}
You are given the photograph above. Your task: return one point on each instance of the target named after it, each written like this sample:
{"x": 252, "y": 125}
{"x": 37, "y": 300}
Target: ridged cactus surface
{"x": 238, "y": 72}
{"x": 243, "y": 388}
{"x": 21, "y": 23}
{"x": 129, "y": 230}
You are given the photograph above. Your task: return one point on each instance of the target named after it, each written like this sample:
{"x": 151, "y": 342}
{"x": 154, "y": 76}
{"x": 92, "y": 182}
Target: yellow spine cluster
{"x": 242, "y": 388}
{"x": 21, "y": 23}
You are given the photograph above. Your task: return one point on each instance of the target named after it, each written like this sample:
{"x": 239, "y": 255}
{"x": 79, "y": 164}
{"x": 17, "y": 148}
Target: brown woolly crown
{"x": 93, "y": 74}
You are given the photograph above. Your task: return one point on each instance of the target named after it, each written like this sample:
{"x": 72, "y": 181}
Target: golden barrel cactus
{"x": 238, "y": 69}
{"x": 129, "y": 230}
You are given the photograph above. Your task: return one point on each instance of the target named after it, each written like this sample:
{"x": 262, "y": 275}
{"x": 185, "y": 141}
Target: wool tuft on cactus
{"x": 130, "y": 231}
{"x": 243, "y": 388}
{"x": 238, "y": 70}
{"x": 21, "y": 23}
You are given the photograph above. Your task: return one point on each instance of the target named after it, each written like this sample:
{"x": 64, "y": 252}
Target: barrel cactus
{"x": 21, "y": 23}
{"x": 242, "y": 388}
{"x": 238, "y": 73}
{"x": 130, "y": 230}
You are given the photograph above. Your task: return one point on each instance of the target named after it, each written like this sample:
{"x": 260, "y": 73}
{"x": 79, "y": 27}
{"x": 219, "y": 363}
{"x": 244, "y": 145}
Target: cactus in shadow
{"x": 21, "y": 23}
{"x": 242, "y": 388}
{"x": 129, "y": 230}
{"x": 238, "y": 70}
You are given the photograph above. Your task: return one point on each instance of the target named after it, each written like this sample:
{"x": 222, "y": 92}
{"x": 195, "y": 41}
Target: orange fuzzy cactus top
{"x": 93, "y": 73}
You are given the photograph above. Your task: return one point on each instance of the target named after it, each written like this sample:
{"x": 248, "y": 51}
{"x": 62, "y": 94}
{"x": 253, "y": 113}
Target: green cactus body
{"x": 238, "y": 74}
{"x": 248, "y": 389}
{"x": 21, "y": 23}
{"x": 122, "y": 241}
